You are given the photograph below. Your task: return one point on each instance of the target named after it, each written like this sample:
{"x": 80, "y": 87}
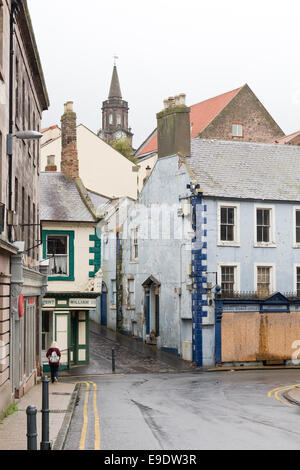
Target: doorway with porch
{"x": 151, "y": 288}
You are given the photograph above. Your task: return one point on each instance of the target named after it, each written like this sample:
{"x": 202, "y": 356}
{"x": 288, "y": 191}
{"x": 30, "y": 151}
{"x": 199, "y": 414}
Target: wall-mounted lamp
{"x": 24, "y": 135}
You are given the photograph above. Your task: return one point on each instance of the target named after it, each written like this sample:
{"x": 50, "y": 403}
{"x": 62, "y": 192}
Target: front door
{"x": 74, "y": 338}
{"x": 104, "y": 305}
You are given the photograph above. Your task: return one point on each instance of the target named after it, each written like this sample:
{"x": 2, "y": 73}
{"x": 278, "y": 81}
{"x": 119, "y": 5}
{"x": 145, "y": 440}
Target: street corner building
{"x": 207, "y": 263}
{"x": 23, "y": 280}
{"x": 73, "y": 249}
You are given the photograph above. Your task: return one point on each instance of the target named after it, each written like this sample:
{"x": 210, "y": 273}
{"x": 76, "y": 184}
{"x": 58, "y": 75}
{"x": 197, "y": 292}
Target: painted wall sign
{"x": 88, "y": 303}
{"x": 48, "y": 302}
{"x": 62, "y": 302}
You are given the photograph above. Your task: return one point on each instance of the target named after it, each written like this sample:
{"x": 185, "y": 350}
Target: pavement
{"x": 62, "y": 399}
{"x": 293, "y": 396}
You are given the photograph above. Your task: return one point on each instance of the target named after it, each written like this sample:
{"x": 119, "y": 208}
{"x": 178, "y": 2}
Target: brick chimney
{"x": 51, "y": 163}
{"x": 173, "y": 127}
{"x": 69, "y": 154}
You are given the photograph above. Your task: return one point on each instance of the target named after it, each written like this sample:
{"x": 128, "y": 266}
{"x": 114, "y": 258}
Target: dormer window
{"x": 237, "y": 129}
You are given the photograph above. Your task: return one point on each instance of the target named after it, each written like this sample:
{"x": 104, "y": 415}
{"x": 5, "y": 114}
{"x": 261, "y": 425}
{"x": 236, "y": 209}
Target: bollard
{"x": 31, "y": 412}
{"x": 113, "y": 360}
{"x": 45, "y": 443}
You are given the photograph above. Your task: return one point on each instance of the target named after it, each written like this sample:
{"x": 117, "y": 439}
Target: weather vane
{"x": 115, "y": 59}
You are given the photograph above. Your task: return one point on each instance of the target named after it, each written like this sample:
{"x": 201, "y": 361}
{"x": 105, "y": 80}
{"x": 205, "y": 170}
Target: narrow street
{"x": 156, "y": 402}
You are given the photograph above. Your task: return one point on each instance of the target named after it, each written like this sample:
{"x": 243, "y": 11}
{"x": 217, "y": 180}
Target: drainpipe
{"x": 14, "y": 10}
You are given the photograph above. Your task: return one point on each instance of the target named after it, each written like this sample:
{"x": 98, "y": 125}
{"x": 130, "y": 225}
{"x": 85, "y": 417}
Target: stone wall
{"x": 245, "y": 109}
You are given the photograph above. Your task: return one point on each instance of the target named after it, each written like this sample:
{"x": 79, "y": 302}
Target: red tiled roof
{"x": 201, "y": 115}
{"x": 48, "y": 129}
{"x": 287, "y": 138}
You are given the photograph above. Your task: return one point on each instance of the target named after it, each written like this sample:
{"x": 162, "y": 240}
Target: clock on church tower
{"x": 115, "y": 113}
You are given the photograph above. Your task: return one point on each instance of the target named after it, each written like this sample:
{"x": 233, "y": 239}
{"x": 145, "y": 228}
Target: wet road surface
{"x": 181, "y": 408}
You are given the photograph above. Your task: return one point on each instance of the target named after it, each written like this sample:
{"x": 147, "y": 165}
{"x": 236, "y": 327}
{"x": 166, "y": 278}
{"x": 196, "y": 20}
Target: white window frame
{"x": 272, "y": 266}
{"x": 130, "y": 305}
{"x": 239, "y": 129}
{"x": 295, "y": 277}
{"x": 295, "y": 243}
{"x": 236, "y": 207}
{"x": 134, "y": 241}
{"x": 67, "y": 255}
{"x": 237, "y": 274}
{"x": 272, "y": 242}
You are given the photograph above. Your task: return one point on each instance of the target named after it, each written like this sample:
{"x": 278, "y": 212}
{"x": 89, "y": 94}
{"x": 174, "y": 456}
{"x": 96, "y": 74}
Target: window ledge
{"x": 235, "y": 244}
{"x": 265, "y": 245}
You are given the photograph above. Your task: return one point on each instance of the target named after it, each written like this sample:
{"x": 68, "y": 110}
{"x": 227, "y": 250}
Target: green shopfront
{"x": 65, "y": 319}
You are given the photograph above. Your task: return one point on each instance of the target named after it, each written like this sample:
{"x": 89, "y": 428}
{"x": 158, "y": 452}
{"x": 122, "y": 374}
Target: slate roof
{"x": 246, "y": 170}
{"x": 98, "y": 200}
{"x": 201, "y": 115}
{"x": 61, "y": 200}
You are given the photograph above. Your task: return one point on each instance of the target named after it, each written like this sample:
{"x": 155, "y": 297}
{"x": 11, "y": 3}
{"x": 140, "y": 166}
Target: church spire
{"x": 115, "y": 89}
{"x": 115, "y": 113}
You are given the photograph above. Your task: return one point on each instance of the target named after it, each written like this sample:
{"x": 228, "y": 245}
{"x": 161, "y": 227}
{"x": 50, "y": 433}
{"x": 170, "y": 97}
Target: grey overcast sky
{"x": 166, "y": 47}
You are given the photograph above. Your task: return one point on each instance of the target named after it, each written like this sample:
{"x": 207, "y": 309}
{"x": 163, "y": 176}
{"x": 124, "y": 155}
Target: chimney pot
{"x": 51, "y": 163}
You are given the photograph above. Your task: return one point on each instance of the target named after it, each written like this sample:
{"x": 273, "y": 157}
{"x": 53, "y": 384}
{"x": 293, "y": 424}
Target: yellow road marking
{"x": 91, "y": 375}
{"x": 97, "y": 420}
{"x": 85, "y": 418}
{"x": 278, "y": 390}
{"x": 287, "y": 387}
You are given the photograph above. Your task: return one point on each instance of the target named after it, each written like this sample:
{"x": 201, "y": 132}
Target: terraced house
{"x": 23, "y": 281}
{"x": 70, "y": 243}
{"x": 215, "y": 221}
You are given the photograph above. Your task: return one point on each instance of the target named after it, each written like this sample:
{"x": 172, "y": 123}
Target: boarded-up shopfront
{"x": 260, "y": 331}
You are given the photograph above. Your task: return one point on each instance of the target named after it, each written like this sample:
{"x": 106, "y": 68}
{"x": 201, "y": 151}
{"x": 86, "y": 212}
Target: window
{"x": 134, "y": 245}
{"x": 264, "y": 232}
{"x": 1, "y": 40}
{"x": 229, "y": 278}
{"x": 298, "y": 281}
{"x": 229, "y": 225}
{"x": 23, "y": 211}
{"x": 23, "y": 103}
{"x": 130, "y": 293}
{"x": 111, "y": 118}
{"x": 29, "y": 227}
{"x": 119, "y": 119}
{"x": 265, "y": 279}
{"x": 57, "y": 251}
{"x": 58, "y": 247}
{"x": 17, "y": 90}
{"x": 296, "y": 227}
{"x": 16, "y": 195}
{"x": 113, "y": 297}
{"x": 263, "y": 225}
{"x": 237, "y": 130}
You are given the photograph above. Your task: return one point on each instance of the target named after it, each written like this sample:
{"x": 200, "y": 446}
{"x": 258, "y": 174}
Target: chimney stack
{"x": 51, "y": 163}
{"x": 69, "y": 154}
{"x": 173, "y": 127}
